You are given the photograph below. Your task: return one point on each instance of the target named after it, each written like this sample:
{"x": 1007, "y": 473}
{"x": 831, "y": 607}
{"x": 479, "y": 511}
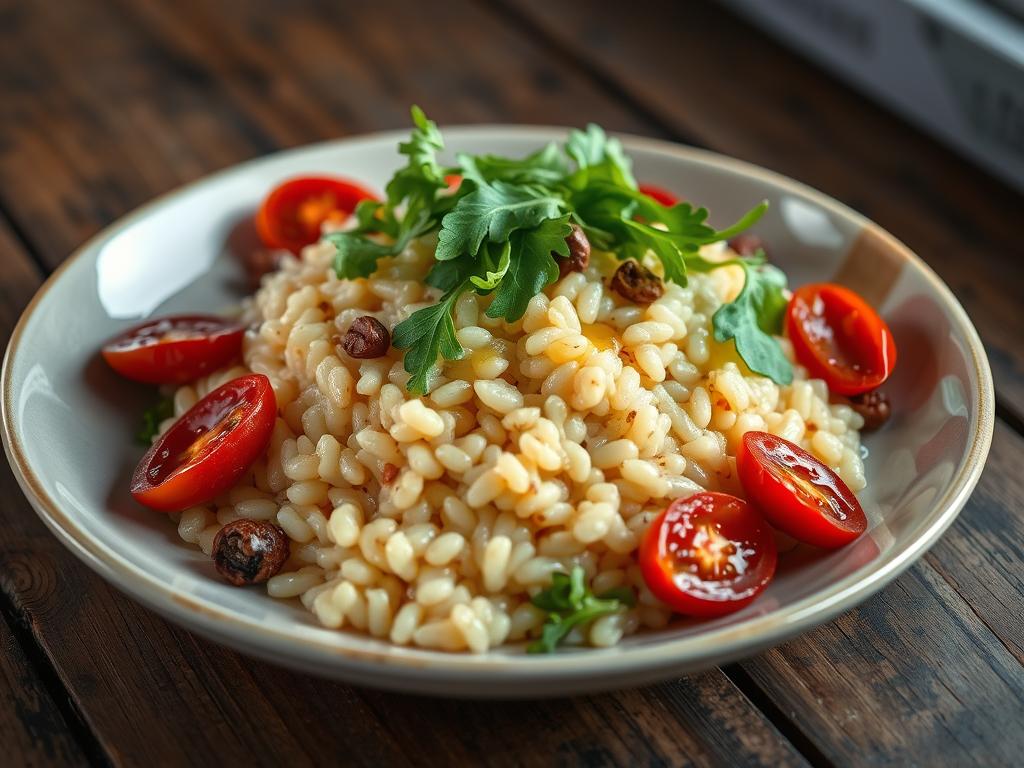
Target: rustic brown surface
{"x": 107, "y": 104}
{"x": 30, "y": 725}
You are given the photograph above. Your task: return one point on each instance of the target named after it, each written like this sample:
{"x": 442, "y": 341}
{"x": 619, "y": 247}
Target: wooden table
{"x": 104, "y": 105}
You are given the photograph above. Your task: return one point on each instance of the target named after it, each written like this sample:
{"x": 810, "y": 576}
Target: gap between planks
{"x": 783, "y": 723}
{"x": 46, "y": 672}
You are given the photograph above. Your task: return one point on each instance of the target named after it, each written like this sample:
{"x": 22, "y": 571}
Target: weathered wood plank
{"x": 93, "y": 125}
{"x": 982, "y": 557}
{"x": 31, "y": 725}
{"x": 695, "y": 721}
{"x": 714, "y": 79}
{"x": 161, "y": 94}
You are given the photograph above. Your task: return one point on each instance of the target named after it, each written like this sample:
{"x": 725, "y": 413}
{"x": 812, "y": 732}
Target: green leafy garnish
{"x": 545, "y": 167}
{"x": 753, "y": 318}
{"x": 569, "y": 602}
{"x": 628, "y": 217}
{"x": 531, "y": 267}
{"x": 499, "y": 234}
{"x": 599, "y": 157}
{"x": 426, "y": 333}
{"x": 152, "y": 417}
{"x": 415, "y": 186}
{"x": 493, "y": 211}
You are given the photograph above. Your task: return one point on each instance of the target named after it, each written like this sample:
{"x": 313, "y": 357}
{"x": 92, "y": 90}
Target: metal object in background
{"x": 953, "y": 67}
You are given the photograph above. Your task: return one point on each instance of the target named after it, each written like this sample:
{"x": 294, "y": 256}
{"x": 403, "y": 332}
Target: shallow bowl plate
{"x": 68, "y": 421}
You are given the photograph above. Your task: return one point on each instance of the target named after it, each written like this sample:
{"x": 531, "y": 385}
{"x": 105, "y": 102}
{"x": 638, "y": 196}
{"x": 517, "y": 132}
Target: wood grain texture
{"x": 694, "y": 721}
{"x": 32, "y": 730}
{"x": 982, "y": 557}
{"x": 707, "y": 77}
{"x": 93, "y": 125}
{"x": 31, "y": 727}
{"x": 159, "y": 94}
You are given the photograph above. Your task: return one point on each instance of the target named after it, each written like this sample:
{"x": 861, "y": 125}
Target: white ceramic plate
{"x": 68, "y": 421}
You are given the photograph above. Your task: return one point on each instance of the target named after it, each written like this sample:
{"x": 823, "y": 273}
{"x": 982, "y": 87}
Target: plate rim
{"x": 423, "y": 669}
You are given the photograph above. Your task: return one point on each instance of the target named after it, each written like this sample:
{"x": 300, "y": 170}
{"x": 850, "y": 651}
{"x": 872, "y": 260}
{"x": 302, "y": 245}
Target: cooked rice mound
{"x": 553, "y": 443}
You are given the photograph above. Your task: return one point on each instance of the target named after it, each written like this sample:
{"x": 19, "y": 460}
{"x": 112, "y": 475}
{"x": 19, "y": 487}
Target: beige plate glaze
{"x": 68, "y": 421}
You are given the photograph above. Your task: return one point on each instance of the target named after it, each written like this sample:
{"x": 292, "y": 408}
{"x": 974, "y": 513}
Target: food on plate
{"x": 174, "y": 350}
{"x": 838, "y": 337}
{"x": 209, "y": 448}
{"x": 295, "y": 212}
{"x": 658, "y": 194}
{"x": 797, "y": 492}
{"x": 708, "y": 554}
{"x": 874, "y": 407}
{"x": 250, "y": 551}
{"x": 517, "y": 399}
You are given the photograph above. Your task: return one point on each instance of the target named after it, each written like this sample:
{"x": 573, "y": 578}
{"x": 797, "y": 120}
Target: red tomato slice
{"x": 838, "y": 337}
{"x": 293, "y": 213}
{"x": 658, "y": 194}
{"x": 454, "y": 181}
{"x": 797, "y": 493}
{"x": 708, "y": 555}
{"x": 174, "y": 350}
{"x": 209, "y": 448}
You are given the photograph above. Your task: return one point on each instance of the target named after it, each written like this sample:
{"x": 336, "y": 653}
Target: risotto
{"x": 455, "y": 513}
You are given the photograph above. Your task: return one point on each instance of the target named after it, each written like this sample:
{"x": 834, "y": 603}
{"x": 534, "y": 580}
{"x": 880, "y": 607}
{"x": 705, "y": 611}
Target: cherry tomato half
{"x": 209, "y": 447}
{"x": 174, "y": 350}
{"x": 838, "y": 337}
{"x": 658, "y": 194}
{"x": 708, "y": 555}
{"x": 797, "y": 493}
{"x": 292, "y": 214}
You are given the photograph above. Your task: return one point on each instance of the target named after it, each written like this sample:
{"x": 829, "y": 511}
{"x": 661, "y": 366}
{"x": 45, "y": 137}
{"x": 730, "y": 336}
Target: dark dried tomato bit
{"x": 389, "y": 473}
{"x": 367, "y": 338}
{"x": 259, "y": 262}
{"x": 249, "y": 551}
{"x": 635, "y": 282}
{"x": 748, "y": 245}
{"x": 874, "y": 407}
{"x": 579, "y": 252}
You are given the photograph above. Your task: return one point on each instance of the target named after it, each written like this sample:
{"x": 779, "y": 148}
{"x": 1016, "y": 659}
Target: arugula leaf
{"x": 753, "y": 317}
{"x": 501, "y": 264}
{"x": 427, "y": 333}
{"x": 614, "y": 210}
{"x": 531, "y": 266}
{"x": 493, "y": 211}
{"x": 152, "y": 417}
{"x": 598, "y": 157}
{"x": 545, "y": 167}
{"x": 445, "y": 275}
{"x": 422, "y": 176}
{"x": 568, "y": 603}
{"x": 357, "y": 256}
{"x": 416, "y": 185}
